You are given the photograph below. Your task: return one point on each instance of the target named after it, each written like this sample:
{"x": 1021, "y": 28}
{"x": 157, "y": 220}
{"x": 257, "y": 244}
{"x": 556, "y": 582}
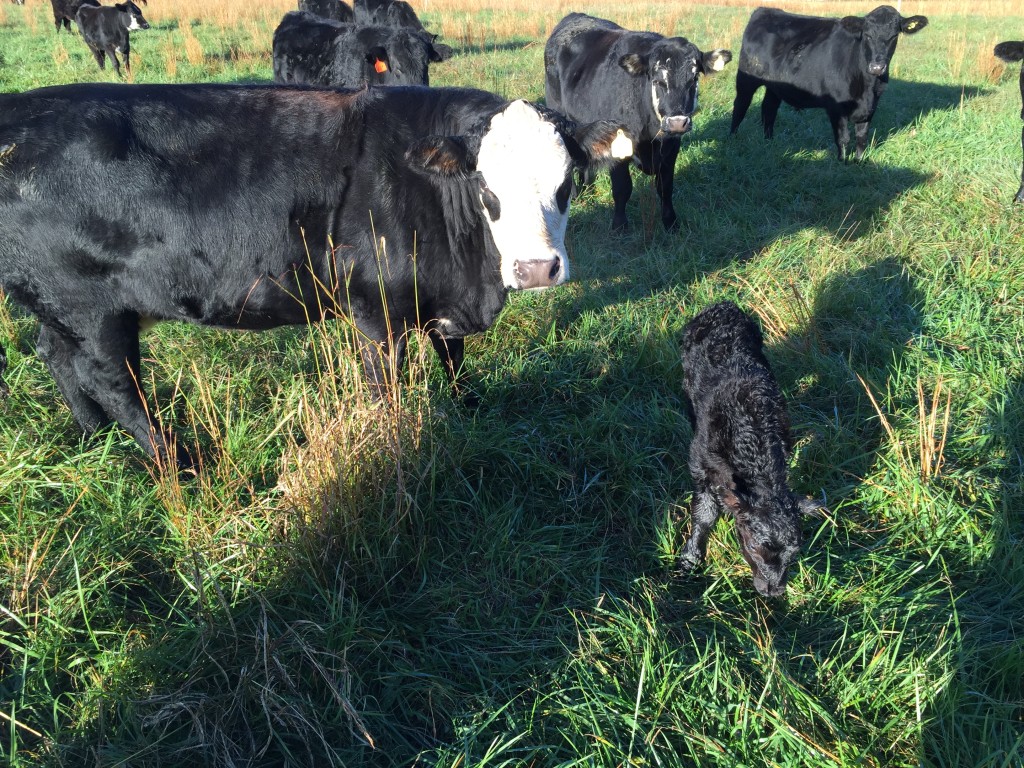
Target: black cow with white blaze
{"x": 594, "y": 69}
{"x": 338, "y": 10}
{"x": 105, "y": 30}
{"x": 1011, "y": 51}
{"x": 251, "y": 207}
{"x": 318, "y": 51}
{"x": 839, "y": 65}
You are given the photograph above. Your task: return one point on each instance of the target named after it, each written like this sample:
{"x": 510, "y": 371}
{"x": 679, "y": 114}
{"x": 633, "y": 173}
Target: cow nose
{"x": 876, "y": 68}
{"x": 538, "y": 273}
{"x": 676, "y": 124}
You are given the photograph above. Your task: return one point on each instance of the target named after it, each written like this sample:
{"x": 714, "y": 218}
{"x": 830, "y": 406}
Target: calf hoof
{"x": 620, "y": 227}
{"x": 688, "y": 562}
{"x": 1020, "y": 195}
{"x": 671, "y": 225}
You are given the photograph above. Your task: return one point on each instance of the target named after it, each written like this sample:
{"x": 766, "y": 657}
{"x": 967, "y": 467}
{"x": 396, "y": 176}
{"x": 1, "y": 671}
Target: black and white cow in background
{"x": 386, "y": 13}
{"x": 839, "y": 65}
{"x": 105, "y": 30}
{"x": 251, "y": 207}
{"x": 318, "y": 51}
{"x": 338, "y": 10}
{"x": 595, "y": 69}
{"x": 64, "y": 11}
{"x": 1011, "y": 51}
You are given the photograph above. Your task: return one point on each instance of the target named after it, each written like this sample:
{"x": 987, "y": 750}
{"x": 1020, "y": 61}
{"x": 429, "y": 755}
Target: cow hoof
{"x": 620, "y": 228}
{"x": 1020, "y": 196}
{"x": 688, "y": 563}
{"x": 671, "y": 226}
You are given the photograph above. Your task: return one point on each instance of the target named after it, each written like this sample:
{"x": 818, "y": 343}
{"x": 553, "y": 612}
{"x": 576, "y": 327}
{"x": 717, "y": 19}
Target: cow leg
{"x": 451, "y": 351}
{"x": 746, "y": 87}
{"x": 841, "y": 132}
{"x": 622, "y": 189}
{"x": 113, "y": 60}
{"x": 703, "y": 516}
{"x": 101, "y": 57}
{"x": 664, "y": 176}
{"x": 127, "y": 53}
{"x": 108, "y": 368}
{"x": 861, "y": 130}
{"x": 58, "y": 352}
{"x": 382, "y": 360}
{"x": 1020, "y": 192}
{"x": 769, "y": 109}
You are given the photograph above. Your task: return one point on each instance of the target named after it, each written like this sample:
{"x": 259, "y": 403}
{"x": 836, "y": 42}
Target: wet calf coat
{"x": 741, "y": 446}
{"x": 310, "y": 49}
{"x": 251, "y": 207}
{"x": 839, "y": 65}
{"x": 595, "y": 69}
{"x": 1011, "y": 51}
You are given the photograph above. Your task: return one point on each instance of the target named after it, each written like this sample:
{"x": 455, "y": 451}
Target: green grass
{"x": 416, "y": 583}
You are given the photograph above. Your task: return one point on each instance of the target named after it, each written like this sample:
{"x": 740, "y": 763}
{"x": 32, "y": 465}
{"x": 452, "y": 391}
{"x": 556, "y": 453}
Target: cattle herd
{"x": 398, "y": 207}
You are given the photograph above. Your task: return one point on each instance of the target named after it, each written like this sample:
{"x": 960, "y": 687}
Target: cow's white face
{"x": 527, "y": 172}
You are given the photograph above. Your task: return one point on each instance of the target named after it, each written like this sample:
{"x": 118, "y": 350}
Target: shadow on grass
{"x": 474, "y": 49}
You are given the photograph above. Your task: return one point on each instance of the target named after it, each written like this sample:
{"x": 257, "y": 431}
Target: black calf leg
{"x": 769, "y": 110}
{"x": 622, "y": 189}
{"x": 746, "y": 87}
{"x": 1020, "y": 192}
{"x": 3, "y": 367}
{"x": 703, "y": 516}
{"x": 58, "y": 352}
{"x": 862, "y": 137}
{"x": 841, "y": 133}
{"x": 664, "y": 176}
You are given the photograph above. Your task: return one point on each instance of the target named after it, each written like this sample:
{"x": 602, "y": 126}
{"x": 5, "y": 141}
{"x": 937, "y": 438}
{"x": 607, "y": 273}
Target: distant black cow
{"x": 251, "y": 207}
{"x": 1009, "y": 52}
{"x": 595, "y": 69}
{"x": 386, "y": 13}
{"x": 338, "y": 10}
{"x": 318, "y": 51}
{"x": 741, "y": 446}
{"x": 839, "y": 65}
{"x": 64, "y": 11}
{"x": 105, "y": 30}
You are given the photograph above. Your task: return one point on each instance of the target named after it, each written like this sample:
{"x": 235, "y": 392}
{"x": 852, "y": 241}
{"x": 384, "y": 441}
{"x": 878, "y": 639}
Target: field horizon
{"x": 416, "y": 582}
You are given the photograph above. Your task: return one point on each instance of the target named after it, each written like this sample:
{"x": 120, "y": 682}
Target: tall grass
{"x": 348, "y": 582}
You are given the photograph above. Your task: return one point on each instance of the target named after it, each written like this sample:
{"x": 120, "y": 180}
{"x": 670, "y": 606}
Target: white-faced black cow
{"x": 64, "y": 11}
{"x": 1011, "y": 51}
{"x": 105, "y": 30}
{"x": 251, "y": 207}
{"x": 839, "y": 65}
{"x": 386, "y": 13}
{"x": 318, "y": 51}
{"x": 338, "y": 10}
{"x": 595, "y": 69}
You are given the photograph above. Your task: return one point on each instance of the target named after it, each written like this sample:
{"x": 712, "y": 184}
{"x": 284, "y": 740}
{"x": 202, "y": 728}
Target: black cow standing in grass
{"x": 1011, "y": 51}
{"x": 105, "y": 30}
{"x": 741, "y": 446}
{"x": 595, "y": 69}
{"x": 336, "y": 10}
{"x": 251, "y": 207}
{"x": 839, "y": 65}
{"x": 318, "y": 51}
{"x": 64, "y": 11}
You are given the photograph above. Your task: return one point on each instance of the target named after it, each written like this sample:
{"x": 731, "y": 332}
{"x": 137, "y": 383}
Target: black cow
{"x": 839, "y": 65}
{"x": 595, "y": 69}
{"x": 64, "y": 11}
{"x": 1014, "y": 51}
{"x": 338, "y": 10}
{"x": 251, "y": 207}
{"x": 386, "y": 13}
{"x": 318, "y": 51}
{"x": 105, "y": 30}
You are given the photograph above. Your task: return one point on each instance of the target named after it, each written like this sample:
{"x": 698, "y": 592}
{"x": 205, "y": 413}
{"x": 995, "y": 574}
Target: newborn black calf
{"x": 741, "y": 446}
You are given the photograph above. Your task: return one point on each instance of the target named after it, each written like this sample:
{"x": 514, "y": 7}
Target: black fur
{"x": 64, "y": 11}
{"x": 105, "y": 30}
{"x": 741, "y": 446}
{"x": 1011, "y": 51}
{"x": 336, "y": 10}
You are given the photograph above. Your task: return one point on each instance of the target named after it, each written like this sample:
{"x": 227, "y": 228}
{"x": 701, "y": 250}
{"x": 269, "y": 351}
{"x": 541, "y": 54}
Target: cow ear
{"x": 604, "y": 142}
{"x": 1010, "y": 51}
{"x": 441, "y": 155}
{"x": 715, "y": 61}
{"x": 634, "y": 64}
{"x": 440, "y": 52}
{"x": 913, "y": 24}
{"x": 852, "y": 24}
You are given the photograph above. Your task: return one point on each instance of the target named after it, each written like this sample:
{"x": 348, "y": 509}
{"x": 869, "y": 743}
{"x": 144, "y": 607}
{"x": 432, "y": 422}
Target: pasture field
{"x": 417, "y": 583}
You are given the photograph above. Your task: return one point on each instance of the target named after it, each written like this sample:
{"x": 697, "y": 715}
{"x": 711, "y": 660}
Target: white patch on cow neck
{"x": 524, "y": 161}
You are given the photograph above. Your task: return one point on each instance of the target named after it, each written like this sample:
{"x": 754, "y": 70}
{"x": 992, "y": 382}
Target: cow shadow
{"x": 471, "y": 49}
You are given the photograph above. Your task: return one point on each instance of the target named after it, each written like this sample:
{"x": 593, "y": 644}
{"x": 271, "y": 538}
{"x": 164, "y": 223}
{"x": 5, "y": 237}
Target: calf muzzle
{"x": 877, "y": 68}
{"x": 676, "y": 124}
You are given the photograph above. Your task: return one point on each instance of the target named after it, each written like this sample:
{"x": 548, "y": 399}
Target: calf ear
{"x": 715, "y": 61}
{"x": 634, "y": 64}
{"x": 441, "y": 155}
{"x": 913, "y": 24}
{"x": 853, "y": 24}
{"x": 1010, "y": 50}
{"x": 440, "y": 52}
{"x": 604, "y": 142}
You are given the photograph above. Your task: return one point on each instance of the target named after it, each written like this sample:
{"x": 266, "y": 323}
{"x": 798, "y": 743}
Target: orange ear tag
{"x": 380, "y": 66}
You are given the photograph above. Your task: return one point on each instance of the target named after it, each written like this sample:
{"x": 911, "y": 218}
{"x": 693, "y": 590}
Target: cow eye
{"x": 661, "y": 84}
{"x": 564, "y": 194}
